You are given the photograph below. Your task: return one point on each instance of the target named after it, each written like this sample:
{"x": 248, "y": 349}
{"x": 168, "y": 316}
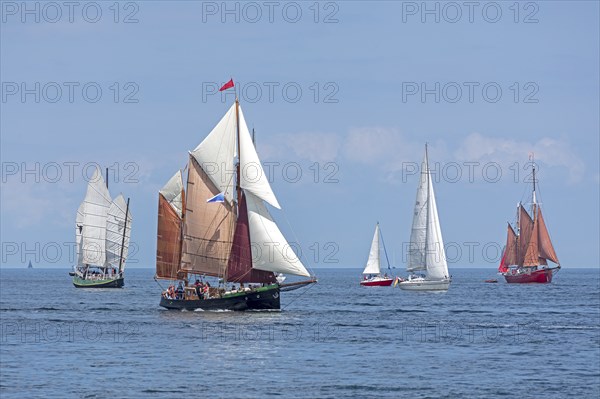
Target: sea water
{"x": 334, "y": 339}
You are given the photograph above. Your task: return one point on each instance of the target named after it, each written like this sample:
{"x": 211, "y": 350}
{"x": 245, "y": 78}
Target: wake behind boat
{"x": 426, "y": 256}
{"x": 103, "y": 228}
{"x": 219, "y": 229}
{"x": 372, "y": 273}
{"x": 529, "y": 248}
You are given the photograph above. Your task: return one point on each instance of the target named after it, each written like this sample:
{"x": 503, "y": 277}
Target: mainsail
{"x": 95, "y": 210}
{"x": 207, "y": 227}
{"x": 426, "y": 247}
{"x": 373, "y": 263}
{"x": 418, "y": 234}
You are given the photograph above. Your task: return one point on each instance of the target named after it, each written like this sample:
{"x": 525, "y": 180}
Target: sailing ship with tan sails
{"x": 529, "y": 247}
{"x": 217, "y": 226}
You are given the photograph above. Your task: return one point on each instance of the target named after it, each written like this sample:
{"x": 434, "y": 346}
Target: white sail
{"x": 437, "y": 268}
{"x": 253, "y": 177}
{"x": 373, "y": 263}
{"x": 96, "y": 204}
{"x": 79, "y": 219}
{"x": 115, "y": 228}
{"x": 172, "y": 191}
{"x": 270, "y": 250}
{"x": 418, "y": 234}
{"x": 216, "y": 152}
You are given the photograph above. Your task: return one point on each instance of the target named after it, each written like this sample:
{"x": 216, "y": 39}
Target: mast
{"x": 106, "y": 177}
{"x": 237, "y": 183}
{"x": 427, "y": 232}
{"x": 182, "y": 222}
{"x": 123, "y": 240}
{"x": 238, "y": 186}
{"x": 518, "y": 238}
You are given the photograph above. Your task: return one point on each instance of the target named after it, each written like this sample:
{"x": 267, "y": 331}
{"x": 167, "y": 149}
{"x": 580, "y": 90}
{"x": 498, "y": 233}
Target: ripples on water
{"x": 334, "y": 340}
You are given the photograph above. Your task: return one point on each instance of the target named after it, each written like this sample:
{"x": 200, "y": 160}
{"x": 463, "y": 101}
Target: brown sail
{"x": 532, "y": 253}
{"x": 239, "y": 268}
{"x": 546, "y": 249}
{"x": 168, "y": 243}
{"x": 207, "y": 228}
{"x": 510, "y": 251}
{"x": 525, "y": 230}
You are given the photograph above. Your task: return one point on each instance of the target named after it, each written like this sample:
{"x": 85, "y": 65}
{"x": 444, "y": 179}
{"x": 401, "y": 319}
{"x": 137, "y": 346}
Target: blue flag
{"x": 217, "y": 198}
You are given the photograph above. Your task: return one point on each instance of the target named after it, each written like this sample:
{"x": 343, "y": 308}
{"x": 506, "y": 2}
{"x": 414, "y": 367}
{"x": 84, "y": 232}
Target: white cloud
{"x": 550, "y": 151}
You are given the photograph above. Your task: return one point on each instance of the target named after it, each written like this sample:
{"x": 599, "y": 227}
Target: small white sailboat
{"x": 372, "y": 272}
{"x": 426, "y": 256}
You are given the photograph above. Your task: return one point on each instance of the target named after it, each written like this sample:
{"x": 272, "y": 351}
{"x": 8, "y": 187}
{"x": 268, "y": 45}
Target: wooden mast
{"x": 123, "y": 238}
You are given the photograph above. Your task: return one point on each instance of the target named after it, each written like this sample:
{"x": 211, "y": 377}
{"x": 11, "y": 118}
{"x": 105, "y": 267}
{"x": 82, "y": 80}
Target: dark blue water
{"x": 334, "y": 340}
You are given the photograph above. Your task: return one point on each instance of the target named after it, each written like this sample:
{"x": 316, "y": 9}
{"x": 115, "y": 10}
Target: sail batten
{"x": 373, "y": 263}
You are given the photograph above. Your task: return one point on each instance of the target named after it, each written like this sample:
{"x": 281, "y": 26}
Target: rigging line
{"x": 298, "y": 297}
{"x": 310, "y": 270}
{"x": 384, "y": 250}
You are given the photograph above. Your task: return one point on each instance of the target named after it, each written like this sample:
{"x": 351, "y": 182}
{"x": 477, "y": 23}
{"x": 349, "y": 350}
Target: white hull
{"x": 424, "y": 285}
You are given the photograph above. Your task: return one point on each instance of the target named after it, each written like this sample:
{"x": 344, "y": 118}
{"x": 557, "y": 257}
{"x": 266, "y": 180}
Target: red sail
{"x": 525, "y": 231}
{"x": 509, "y": 257}
{"x": 532, "y": 253}
{"x": 544, "y": 242}
{"x": 239, "y": 268}
{"x": 168, "y": 243}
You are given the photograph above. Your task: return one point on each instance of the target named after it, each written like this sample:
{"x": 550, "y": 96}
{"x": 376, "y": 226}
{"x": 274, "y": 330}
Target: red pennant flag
{"x": 227, "y": 85}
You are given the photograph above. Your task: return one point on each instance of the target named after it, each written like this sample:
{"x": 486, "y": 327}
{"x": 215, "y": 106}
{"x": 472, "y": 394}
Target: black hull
{"x": 252, "y": 300}
{"x": 116, "y": 283}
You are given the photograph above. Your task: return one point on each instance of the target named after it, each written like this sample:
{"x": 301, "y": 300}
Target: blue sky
{"x": 508, "y": 81}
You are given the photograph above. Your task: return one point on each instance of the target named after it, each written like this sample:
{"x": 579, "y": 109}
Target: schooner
{"x": 529, "y": 248}
{"x": 216, "y": 225}
{"x": 102, "y": 233}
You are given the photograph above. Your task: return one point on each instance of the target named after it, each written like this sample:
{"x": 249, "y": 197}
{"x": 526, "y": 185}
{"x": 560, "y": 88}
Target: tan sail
{"x": 525, "y": 230}
{"x": 511, "y": 247}
{"x": 532, "y": 253}
{"x": 168, "y": 243}
{"x": 208, "y": 227}
{"x": 546, "y": 249}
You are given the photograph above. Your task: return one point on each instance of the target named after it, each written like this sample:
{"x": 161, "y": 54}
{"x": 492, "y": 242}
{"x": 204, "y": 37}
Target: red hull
{"x": 542, "y": 276}
{"x": 378, "y": 283}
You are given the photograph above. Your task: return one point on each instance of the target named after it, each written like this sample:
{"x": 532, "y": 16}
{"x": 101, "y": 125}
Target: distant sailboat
{"x": 30, "y": 266}
{"x": 426, "y": 256}
{"x": 529, "y": 248}
{"x": 219, "y": 227}
{"x": 102, "y": 233}
{"x": 372, "y": 272}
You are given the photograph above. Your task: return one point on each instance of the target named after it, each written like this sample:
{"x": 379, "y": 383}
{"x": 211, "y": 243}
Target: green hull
{"x": 105, "y": 283}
